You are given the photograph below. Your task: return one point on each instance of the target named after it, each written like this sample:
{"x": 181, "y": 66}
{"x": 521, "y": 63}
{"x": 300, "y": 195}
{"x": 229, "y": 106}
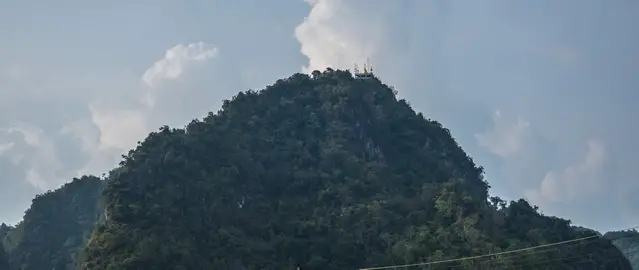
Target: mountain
{"x": 56, "y": 226}
{"x": 628, "y": 242}
{"x": 319, "y": 172}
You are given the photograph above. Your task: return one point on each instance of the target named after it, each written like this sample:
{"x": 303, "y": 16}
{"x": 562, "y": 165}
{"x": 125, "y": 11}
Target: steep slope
{"x": 57, "y": 225}
{"x": 628, "y": 243}
{"x": 322, "y": 172}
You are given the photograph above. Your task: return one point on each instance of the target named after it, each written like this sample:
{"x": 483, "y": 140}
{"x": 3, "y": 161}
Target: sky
{"x": 539, "y": 93}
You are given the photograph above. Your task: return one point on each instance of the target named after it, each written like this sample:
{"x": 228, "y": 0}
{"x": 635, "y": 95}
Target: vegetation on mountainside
{"x": 56, "y": 226}
{"x": 10, "y": 235}
{"x": 4, "y": 231}
{"x": 322, "y": 172}
{"x": 628, "y": 243}
{"x": 4, "y": 260}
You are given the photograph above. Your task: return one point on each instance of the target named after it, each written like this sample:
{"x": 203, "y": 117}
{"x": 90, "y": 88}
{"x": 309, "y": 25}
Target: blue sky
{"x": 540, "y": 93}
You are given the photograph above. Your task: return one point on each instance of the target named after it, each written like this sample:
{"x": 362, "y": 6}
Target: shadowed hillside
{"x": 4, "y": 260}
{"x": 56, "y": 227}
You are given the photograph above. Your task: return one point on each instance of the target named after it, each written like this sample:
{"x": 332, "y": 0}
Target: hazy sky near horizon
{"x": 539, "y": 93}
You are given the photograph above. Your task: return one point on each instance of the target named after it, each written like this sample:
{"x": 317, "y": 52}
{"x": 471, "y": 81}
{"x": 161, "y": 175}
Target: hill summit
{"x": 319, "y": 172}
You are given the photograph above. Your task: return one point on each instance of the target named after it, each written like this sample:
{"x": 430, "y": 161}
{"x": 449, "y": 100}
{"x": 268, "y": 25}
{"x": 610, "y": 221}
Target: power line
{"x": 490, "y": 254}
{"x": 536, "y": 252}
{"x": 573, "y": 257}
{"x": 559, "y": 259}
{"x": 556, "y": 248}
{"x": 479, "y": 256}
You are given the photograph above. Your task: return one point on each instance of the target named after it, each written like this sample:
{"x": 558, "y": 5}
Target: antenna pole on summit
{"x": 367, "y": 73}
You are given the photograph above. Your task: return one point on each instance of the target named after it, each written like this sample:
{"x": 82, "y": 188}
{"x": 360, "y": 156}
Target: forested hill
{"x": 321, "y": 172}
{"x": 55, "y": 228}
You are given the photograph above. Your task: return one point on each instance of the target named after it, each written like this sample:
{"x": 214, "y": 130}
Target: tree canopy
{"x": 4, "y": 260}
{"x": 55, "y": 227}
{"x": 318, "y": 172}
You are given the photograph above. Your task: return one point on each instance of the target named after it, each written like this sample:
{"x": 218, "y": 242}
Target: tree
{"x": 57, "y": 225}
{"x": 321, "y": 172}
{"x": 4, "y": 260}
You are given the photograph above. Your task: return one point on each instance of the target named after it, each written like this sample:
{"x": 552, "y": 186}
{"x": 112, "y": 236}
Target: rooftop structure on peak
{"x": 366, "y": 73}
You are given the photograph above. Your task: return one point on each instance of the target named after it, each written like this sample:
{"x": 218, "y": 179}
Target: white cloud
{"x": 5, "y": 147}
{"x": 106, "y": 135}
{"x": 114, "y": 124}
{"x": 119, "y": 129}
{"x": 114, "y": 129}
{"x": 34, "y": 178}
{"x": 37, "y": 153}
{"x": 175, "y": 60}
{"x": 575, "y": 181}
{"x": 327, "y": 41}
{"x": 506, "y": 138}
{"x": 30, "y": 134}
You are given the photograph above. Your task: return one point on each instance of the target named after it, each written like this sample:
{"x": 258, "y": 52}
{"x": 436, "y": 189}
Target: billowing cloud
{"x": 506, "y": 138}
{"x": 120, "y": 128}
{"x": 34, "y": 178}
{"x": 576, "y": 181}
{"x": 110, "y": 126}
{"x": 28, "y": 147}
{"x": 327, "y": 35}
{"x": 5, "y": 147}
{"x": 176, "y": 60}
{"x": 173, "y": 65}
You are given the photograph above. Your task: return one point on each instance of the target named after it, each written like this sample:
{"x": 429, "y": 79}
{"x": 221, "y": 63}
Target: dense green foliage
{"x": 56, "y": 226}
{"x": 322, "y": 172}
{"x": 4, "y": 260}
{"x": 11, "y": 235}
{"x": 628, "y": 243}
{"x": 4, "y": 231}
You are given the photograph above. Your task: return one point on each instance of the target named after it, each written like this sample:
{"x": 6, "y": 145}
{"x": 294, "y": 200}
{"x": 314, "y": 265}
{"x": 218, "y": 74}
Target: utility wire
{"x": 490, "y": 254}
{"x": 479, "y": 256}
{"x": 535, "y": 252}
{"x": 556, "y": 259}
{"x": 572, "y": 257}
{"x": 556, "y": 248}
